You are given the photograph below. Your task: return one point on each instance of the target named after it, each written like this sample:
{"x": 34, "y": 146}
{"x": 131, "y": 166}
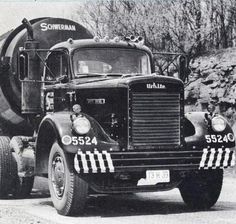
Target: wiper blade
{"x": 132, "y": 74}
{"x": 114, "y": 74}
{"x": 82, "y": 75}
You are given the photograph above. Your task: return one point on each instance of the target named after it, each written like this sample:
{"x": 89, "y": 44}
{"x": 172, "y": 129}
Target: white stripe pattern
{"x": 84, "y": 162}
{"x": 211, "y": 158}
{"x": 92, "y": 160}
{"x": 218, "y": 155}
{"x": 109, "y": 161}
{"x": 76, "y": 164}
{"x": 101, "y": 162}
{"x": 204, "y": 156}
{"x": 232, "y": 163}
{"x": 225, "y": 163}
{"x": 81, "y": 162}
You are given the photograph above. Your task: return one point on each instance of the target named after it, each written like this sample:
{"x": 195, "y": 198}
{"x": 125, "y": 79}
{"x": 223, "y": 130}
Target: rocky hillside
{"x": 212, "y": 84}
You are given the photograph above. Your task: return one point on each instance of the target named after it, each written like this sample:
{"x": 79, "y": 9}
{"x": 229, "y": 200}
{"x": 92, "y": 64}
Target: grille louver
{"x": 155, "y": 119}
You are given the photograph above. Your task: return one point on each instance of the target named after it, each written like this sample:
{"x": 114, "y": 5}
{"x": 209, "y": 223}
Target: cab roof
{"x": 71, "y": 45}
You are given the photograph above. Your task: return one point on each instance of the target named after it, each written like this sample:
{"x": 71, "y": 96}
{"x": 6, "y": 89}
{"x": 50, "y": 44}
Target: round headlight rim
{"x": 220, "y": 118}
{"x": 76, "y": 126}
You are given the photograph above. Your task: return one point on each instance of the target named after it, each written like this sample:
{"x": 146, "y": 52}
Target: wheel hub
{"x": 58, "y": 176}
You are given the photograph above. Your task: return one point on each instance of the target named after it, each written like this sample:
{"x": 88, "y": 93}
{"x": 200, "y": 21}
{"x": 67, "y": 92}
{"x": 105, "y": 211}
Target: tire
{"x": 22, "y": 185}
{"x": 6, "y": 167}
{"x": 68, "y": 192}
{"x": 202, "y": 190}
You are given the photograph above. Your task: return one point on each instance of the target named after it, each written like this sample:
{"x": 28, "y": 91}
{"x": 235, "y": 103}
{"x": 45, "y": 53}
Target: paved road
{"x": 162, "y": 207}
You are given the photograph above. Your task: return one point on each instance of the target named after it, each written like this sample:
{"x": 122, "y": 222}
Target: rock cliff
{"x": 212, "y": 84}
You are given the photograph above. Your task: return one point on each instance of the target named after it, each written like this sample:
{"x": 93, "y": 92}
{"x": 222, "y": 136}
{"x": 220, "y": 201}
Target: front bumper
{"x": 138, "y": 161}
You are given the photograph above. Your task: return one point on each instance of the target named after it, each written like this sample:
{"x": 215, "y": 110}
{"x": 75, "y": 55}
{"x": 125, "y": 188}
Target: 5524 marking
{"x": 78, "y": 140}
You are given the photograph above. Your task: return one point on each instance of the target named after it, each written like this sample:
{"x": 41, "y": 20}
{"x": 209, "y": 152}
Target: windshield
{"x": 110, "y": 61}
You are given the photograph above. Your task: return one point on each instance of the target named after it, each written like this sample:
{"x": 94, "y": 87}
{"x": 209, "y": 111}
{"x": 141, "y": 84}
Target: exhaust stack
{"x": 29, "y": 28}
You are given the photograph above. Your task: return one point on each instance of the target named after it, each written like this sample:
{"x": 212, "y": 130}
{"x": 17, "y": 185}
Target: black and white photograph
{"x": 117, "y": 111}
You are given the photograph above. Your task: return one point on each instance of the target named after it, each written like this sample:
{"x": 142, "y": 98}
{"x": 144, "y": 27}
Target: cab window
{"x": 57, "y": 66}
{"x": 110, "y": 61}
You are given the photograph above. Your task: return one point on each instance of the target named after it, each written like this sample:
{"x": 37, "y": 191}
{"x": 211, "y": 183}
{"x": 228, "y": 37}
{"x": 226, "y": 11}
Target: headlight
{"x": 81, "y": 125}
{"x": 218, "y": 124}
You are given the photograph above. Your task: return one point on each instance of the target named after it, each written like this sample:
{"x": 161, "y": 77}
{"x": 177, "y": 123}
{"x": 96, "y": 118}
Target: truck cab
{"x": 104, "y": 121}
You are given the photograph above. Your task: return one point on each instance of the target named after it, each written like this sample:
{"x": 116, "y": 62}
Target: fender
{"x": 54, "y": 126}
{"x": 198, "y": 132}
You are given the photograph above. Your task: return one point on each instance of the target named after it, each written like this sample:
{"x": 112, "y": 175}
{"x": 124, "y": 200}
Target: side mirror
{"x": 23, "y": 65}
{"x": 183, "y": 68}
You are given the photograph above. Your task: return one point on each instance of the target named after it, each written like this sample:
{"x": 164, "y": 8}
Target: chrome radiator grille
{"x": 155, "y": 119}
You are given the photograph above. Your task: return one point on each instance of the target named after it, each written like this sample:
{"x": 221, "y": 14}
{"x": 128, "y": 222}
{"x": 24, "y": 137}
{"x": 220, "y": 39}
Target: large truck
{"x": 94, "y": 117}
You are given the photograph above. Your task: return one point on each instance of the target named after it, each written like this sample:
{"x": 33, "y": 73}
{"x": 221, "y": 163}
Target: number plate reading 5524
{"x": 220, "y": 138}
{"x": 78, "y": 140}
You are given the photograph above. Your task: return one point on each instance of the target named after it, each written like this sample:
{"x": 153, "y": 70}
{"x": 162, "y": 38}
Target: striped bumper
{"x": 94, "y": 162}
{"x": 217, "y": 158}
{"x": 109, "y": 162}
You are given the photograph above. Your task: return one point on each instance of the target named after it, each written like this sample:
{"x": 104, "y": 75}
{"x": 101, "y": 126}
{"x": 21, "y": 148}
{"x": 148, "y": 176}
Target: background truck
{"x": 92, "y": 115}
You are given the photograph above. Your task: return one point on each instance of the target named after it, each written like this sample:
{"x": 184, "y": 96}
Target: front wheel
{"x": 68, "y": 191}
{"x": 202, "y": 190}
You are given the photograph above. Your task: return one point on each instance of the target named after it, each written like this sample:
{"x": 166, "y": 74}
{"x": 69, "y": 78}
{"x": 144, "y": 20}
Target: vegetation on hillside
{"x": 187, "y": 26}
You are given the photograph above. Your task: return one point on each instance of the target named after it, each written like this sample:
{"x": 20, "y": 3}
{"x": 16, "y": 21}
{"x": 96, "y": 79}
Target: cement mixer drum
{"x": 48, "y": 32}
